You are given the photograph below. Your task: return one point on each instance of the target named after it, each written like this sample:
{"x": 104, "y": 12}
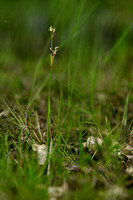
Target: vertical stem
{"x": 49, "y": 110}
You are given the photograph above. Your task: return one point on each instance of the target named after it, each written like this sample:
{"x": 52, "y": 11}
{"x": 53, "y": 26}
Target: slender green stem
{"x": 49, "y": 111}
{"x": 49, "y": 104}
{"x": 52, "y": 55}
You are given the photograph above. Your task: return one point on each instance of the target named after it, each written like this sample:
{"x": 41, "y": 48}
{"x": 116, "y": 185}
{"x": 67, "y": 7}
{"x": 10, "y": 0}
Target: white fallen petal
{"x": 57, "y": 192}
{"x": 129, "y": 171}
{"x": 116, "y": 192}
{"x": 4, "y": 113}
{"x": 42, "y": 152}
{"x": 92, "y": 141}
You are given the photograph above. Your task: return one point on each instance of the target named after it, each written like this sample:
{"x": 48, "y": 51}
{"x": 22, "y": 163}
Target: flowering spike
{"x": 52, "y": 51}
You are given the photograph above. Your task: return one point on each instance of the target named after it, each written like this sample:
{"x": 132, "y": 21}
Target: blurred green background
{"x": 90, "y": 94}
{"x": 91, "y": 27}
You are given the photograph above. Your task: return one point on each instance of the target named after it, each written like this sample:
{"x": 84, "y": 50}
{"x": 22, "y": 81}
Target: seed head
{"x": 52, "y": 30}
{"x": 53, "y": 53}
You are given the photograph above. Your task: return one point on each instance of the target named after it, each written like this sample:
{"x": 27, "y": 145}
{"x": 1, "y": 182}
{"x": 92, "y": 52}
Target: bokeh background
{"x": 88, "y": 32}
{"x": 91, "y": 95}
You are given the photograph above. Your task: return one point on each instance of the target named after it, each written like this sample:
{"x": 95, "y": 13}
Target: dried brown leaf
{"x": 71, "y": 167}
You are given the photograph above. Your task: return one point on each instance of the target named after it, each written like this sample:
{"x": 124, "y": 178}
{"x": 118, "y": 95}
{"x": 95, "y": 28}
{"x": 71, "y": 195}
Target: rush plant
{"x": 52, "y": 55}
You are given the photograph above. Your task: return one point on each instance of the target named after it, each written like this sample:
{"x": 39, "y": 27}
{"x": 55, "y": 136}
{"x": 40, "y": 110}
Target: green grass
{"x": 87, "y": 94}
